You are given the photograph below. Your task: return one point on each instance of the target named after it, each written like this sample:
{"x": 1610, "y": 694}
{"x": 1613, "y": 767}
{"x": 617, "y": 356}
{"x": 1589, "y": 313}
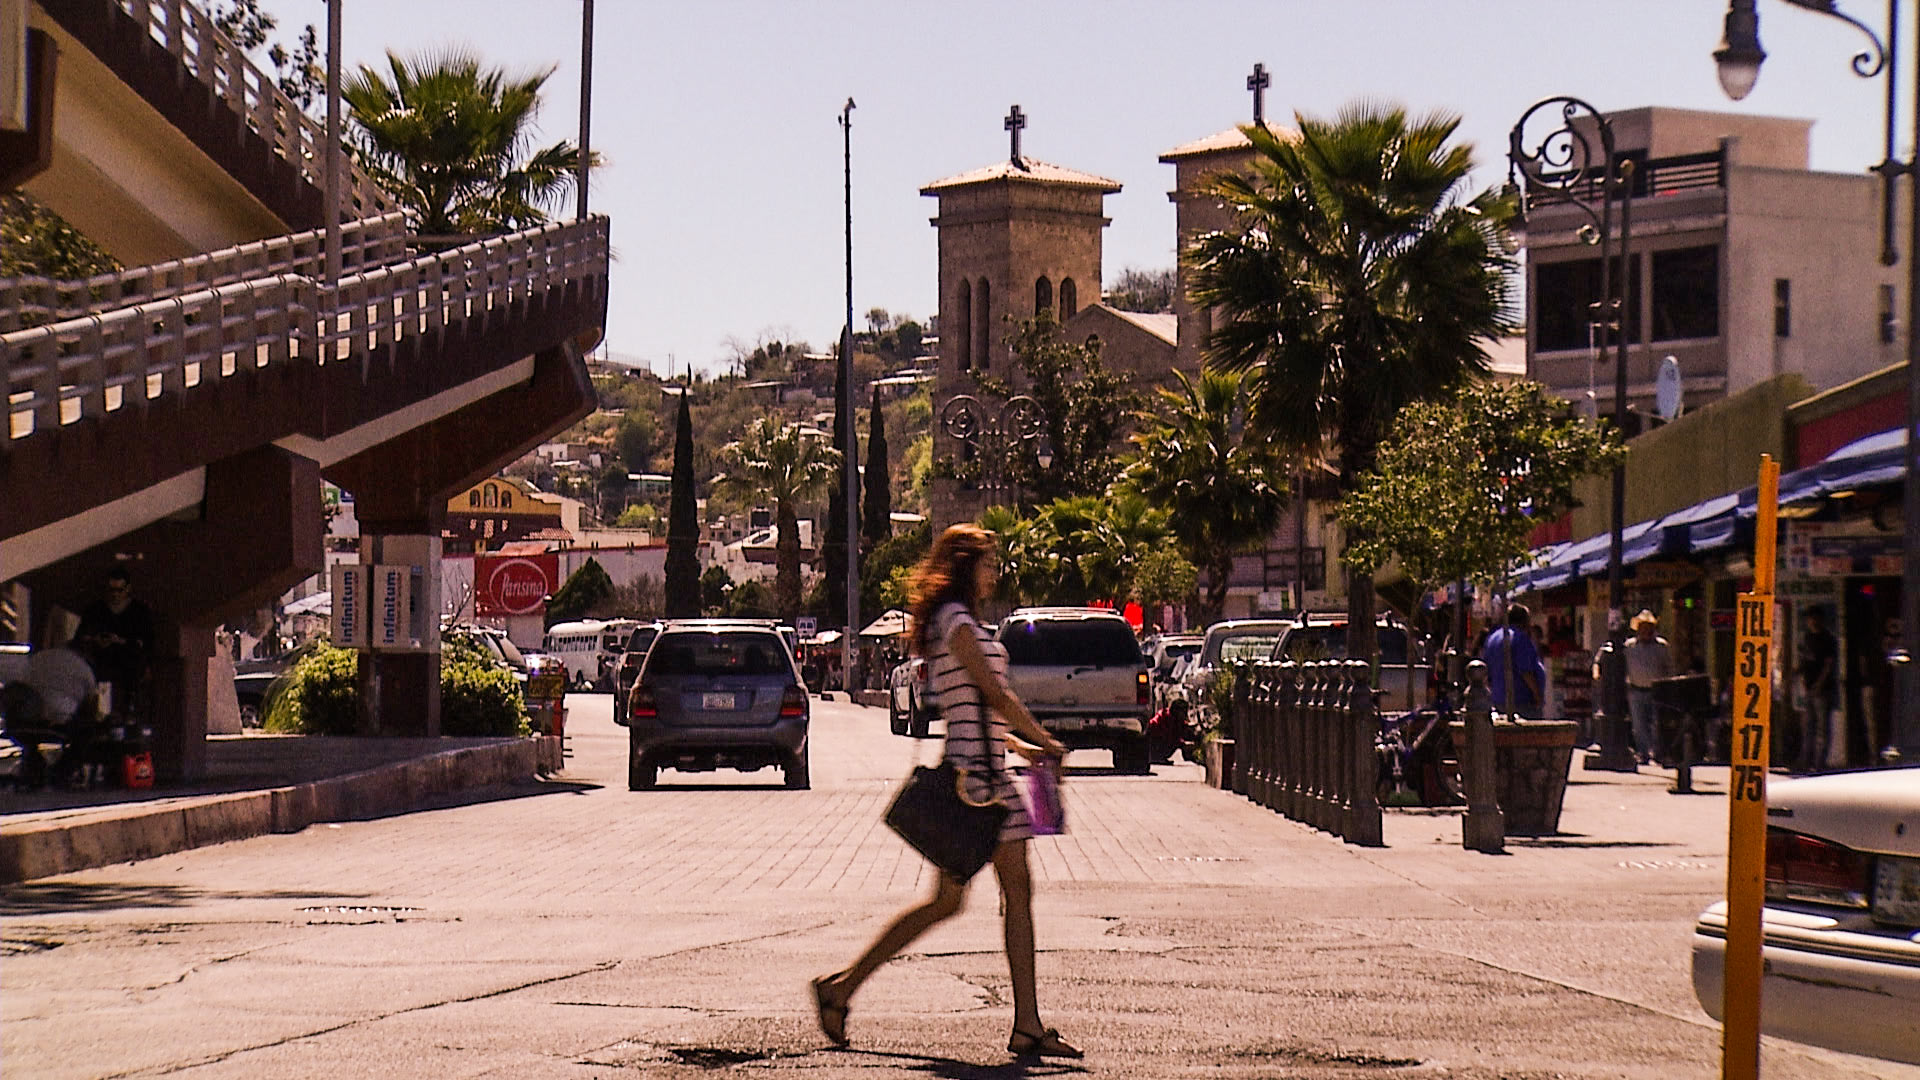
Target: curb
{"x": 47, "y": 849}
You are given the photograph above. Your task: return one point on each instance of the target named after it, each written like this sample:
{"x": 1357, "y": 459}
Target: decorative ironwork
{"x": 1561, "y": 166}
{"x": 992, "y": 436}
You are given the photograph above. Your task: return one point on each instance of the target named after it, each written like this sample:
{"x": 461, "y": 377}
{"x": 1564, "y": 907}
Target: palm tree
{"x": 786, "y": 465}
{"x": 1218, "y": 484}
{"x": 1076, "y": 550}
{"x": 452, "y": 141}
{"x": 1361, "y": 277}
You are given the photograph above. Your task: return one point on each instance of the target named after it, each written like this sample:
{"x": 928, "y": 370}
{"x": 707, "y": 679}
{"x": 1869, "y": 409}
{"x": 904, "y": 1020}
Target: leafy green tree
{"x": 1150, "y": 291}
{"x": 786, "y": 465}
{"x": 639, "y": 516}
{"x": 683, "y": 522}
{"x": 1086, "y": 409}
{"x": 301, "y": 71}
{"x": 715, "y": 584}
{"x": 451, "y": 139}
{"x": 876, "y": 505}
{"x": 751, "y": 600}
{"x": 1164, "y": 578}
{"x": 901, "y": 552}
{"x": 584, "y": 588}
{"x": 1075, "y": 551}
{"x": 38, "y": 242}
{"x": 637, "y": 440}
{"x": 1460, "y": 484}
{"x": 1219, "y": 483}
{"x": 1360, "y": 277}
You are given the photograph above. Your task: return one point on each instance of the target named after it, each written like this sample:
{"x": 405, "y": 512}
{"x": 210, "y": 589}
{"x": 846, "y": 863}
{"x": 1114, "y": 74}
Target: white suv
{"x": 1081, "y": 673}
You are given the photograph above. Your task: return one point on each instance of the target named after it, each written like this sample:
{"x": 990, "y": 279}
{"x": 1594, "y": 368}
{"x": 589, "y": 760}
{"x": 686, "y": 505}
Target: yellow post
{"x": 1747, "y": 813}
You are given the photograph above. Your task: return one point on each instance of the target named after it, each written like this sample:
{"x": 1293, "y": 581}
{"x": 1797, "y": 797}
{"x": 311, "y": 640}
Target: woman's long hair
{"x": 946, "y": 576}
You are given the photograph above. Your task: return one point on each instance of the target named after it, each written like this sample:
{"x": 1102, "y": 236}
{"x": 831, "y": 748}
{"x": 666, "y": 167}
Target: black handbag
{"x": 932, "y": 813}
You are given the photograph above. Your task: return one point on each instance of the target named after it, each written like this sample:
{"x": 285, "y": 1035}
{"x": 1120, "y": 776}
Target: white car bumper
{"x": 1842, "y": 984}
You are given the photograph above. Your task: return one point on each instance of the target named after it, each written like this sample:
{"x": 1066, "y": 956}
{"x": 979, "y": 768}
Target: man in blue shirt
{"x": 1515, "y": 673}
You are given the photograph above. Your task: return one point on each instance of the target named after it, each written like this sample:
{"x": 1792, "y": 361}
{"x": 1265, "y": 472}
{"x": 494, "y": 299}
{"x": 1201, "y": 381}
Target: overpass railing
{"x": 1304, "y": 744}
{"x": 65, "y": 372}
{"x": 30, "y": 301}
{"x": 187, "y": 32}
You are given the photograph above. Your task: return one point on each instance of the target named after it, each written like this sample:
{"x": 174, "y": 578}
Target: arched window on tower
{"x": 1069, "y": 299}
{"x": 1042, "y": 296}
{"x": 982, "y": 323}
{"x": 473, "y": 497}
{"x": 964, "y": 323}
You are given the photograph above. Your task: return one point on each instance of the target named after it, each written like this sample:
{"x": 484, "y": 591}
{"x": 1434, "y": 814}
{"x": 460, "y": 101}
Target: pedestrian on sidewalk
{"x": 1515, "y": 673}
{"x": 1649, "y": 659}
{"x": 968, "y": 676}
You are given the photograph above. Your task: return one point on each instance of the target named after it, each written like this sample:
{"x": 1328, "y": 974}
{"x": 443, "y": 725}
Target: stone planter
{"x": 1531, "y": 759}
{"x": 1219, "y": 758}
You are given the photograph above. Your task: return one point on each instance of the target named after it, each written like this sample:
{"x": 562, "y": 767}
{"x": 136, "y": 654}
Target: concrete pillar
{"x": 400, "y": 689}
{"x": 1484, "y": 828}
{"x": 176, "y": 701}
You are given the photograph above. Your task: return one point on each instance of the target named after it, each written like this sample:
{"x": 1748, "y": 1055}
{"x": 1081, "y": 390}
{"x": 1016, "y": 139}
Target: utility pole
{"x": 850, "y": 471}
{"x": 586, "y": 108}
{"x": 331, "y": 173}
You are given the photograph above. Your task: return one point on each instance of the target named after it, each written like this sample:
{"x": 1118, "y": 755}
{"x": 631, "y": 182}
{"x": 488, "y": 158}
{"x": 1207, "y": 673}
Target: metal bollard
{"x": 1484, "y": 828}
{"x": 1313, "y": 728}
{"x": 1363, "y": 825}
{"x": 1253, "y": 731}
{"x": 1286, "y": 786}
{"x": 1236, "y": 780}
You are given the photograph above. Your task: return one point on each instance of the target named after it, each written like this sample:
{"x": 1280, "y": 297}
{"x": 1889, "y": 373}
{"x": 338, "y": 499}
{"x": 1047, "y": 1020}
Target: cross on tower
{"x": 1014, "y": 122}
{"x": 1258, "y": 83}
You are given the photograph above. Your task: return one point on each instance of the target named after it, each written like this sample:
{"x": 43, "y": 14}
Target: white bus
{"x": 590, "y": 648}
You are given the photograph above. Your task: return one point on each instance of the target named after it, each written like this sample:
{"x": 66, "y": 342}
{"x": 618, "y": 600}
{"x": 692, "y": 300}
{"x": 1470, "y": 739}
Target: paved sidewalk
{"x": 255, "y": 784}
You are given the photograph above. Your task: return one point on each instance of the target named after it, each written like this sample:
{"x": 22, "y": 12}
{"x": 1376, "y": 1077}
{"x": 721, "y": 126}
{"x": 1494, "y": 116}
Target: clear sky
{"x": 718, "y": 118}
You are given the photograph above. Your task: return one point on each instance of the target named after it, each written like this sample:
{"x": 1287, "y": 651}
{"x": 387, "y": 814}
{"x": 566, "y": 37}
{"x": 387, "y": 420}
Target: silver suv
{"x": 1081, "y": 673}
{"x": 717, "y": 693}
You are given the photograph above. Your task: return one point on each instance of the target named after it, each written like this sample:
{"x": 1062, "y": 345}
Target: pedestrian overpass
{"x": 177, "y": 417}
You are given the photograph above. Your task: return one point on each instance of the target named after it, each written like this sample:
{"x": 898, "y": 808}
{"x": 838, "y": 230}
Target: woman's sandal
{"x": 832, "y": 1014}
{"x": 1046, "y": 1044}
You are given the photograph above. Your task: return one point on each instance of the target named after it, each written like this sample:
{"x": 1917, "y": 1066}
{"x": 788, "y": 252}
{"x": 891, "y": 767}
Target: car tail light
{"x": 1802, "y": 867}
{"x": 641, "y": 705}
{"x": 1142, "y": 689}
{"x": 793, "y": 703}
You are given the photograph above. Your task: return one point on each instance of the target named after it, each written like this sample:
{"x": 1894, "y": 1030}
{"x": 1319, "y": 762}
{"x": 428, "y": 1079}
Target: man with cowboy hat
{"x": 1649, "y": 659}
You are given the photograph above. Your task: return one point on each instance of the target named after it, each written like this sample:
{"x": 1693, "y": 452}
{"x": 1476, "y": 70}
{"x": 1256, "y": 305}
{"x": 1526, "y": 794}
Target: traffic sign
{"x": 805, "y": 626}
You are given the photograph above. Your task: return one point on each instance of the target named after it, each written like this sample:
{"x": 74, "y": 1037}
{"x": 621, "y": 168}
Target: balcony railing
{"x": 210, "y": 56}
{"x": 31, "y": 301}
{"x": 1651, "y": 178}
{"x": 62, "y": 373}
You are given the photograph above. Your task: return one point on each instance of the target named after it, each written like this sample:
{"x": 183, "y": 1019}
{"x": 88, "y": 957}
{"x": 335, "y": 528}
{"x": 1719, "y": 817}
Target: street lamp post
{"x": 850, "y": 470}
{"x": 1739, "y": 58}
{"x": 992, "y": 436}
{"x": 1563, "y": 167}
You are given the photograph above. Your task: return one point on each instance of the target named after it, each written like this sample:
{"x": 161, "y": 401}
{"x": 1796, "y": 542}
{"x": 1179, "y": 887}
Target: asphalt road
{"x": 580, "y": 930}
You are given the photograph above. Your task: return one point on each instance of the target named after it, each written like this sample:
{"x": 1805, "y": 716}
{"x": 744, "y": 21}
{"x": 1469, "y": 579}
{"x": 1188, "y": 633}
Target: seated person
{"x": 57, "y": 695}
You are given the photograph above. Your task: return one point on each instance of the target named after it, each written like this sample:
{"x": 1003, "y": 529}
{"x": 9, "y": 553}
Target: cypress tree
{"x": 683, "y": 521}
{"x": 833, "y": 550}
{"x": 876, "y": 507}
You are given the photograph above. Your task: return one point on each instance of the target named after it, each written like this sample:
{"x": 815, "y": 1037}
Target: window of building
{"x": 1069, "y": 299}
{"x": 1563, "y": 297}
{"x": 1042, "y": 296}
{"x": 473, "y": 498}
{"x": 506, "y": 499}
{"x": 982, "y": 322}
{"x": 1782, "y": 307}
{"x": 965, "y": 325}
{"x": 1686, "y": 293}
{"x": 1887, "y": 322}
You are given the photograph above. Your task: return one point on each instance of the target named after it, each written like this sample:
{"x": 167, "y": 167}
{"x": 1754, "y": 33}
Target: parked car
{"x": 1405, "y": 676}
{"x": 717, "y": 693}
{"x": 1841, "y": 926}
{"x": 1224, "y": 643}
{"x": 253, "y": 682}
{"x": 496, "y": 644}
{"x": 1081, "y": 673}
{"x": 633, "y": 653}
{"x": 1164, "y": 653}
{"x": 909, "y": 704}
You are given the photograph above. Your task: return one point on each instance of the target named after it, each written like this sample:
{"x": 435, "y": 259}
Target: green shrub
{"x": 480, "y": 699}
{"x": 321, "y": 695}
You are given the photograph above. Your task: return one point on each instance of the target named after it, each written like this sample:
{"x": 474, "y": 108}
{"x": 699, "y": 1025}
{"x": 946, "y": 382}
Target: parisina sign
{"x": 514, "y": 584}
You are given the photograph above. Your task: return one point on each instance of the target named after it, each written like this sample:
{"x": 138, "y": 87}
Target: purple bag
{"x": 1040, "y": 787}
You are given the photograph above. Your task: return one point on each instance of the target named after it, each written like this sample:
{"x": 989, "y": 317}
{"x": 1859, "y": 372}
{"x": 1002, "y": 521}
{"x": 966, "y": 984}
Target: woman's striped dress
{"x": 975, "y": 733}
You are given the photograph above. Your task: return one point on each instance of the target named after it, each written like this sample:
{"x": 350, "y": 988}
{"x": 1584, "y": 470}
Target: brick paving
{"x": 577, "y": 929}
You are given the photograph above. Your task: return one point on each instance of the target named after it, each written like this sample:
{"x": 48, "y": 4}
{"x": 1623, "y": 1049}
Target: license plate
{"x": 1896, "y": 890}
{"x": 1068, "y": 723}
{"x": 716, "y": 701}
